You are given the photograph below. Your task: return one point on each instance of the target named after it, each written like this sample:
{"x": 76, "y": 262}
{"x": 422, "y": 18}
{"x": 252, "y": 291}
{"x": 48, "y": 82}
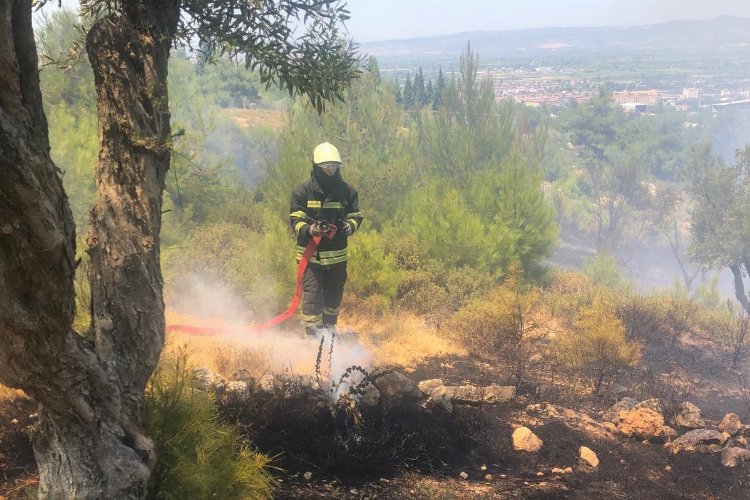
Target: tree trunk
{"x": 88, "y": 443}
{"x": 129, "y": 54}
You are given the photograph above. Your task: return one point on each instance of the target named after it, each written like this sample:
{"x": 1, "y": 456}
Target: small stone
{"x": 540, "y": 474}
{"x": 383, "y": 480}
{"x": 14, "y": 421}
{"x": 558, "y": 470}
{"x": 543, "y": 483}
{"x": 730, "y": 424}
{"x": 503, "y": 476}
{"x": 568, "y": 470}
{"x": 730, "y": 456}
{"x": 588, "y": 456}
{"x": 689, "y": 417}
{"x": 525, "y": 440}
{"x": 353, "y": 491}
{"x": 307, "y": 475}
{"x": 488, "y": 477}
{"x": 464, "y": 475}
{"x": 668, "y": 468}
{"x": 427, "y": 386}
{"x": 483, "y": 467}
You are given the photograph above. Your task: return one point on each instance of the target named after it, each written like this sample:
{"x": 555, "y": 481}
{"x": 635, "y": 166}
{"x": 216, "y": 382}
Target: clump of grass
{"x": 197, "y": 455}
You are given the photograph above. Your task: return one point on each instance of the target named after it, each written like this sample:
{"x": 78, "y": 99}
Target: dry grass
{"x": 6, "y": 393}
{"x": 272, "y": 118}
{"x": 401, "y": 339}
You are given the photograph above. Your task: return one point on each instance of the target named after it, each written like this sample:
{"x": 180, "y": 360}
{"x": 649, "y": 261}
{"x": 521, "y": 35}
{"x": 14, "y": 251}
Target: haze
{"x": 392, "y": 19}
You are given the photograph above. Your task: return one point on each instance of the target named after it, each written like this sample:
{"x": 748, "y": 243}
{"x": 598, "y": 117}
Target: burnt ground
{"x": 406, "y": 450}
{"x": 477, "y": 441}
{"x": 17, "y": 466}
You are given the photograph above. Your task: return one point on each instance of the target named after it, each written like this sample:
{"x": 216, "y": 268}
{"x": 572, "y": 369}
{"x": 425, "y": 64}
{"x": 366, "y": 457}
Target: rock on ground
{"x": 449, "y": 395}
{"x": 525, "y": 440}
{"x": 703, "y": 440}
{"x": 730, "y": 424}
{"x": 588, "y": 456}
{"x": 612, "y": 414}
{"x": 730, "y": 456}
{"x": 641, "y": 423}
{"x": 427, "y": 386}
{"x": 396, "y": 385}
{"x": 689, "y": 417}
{"x": 238, "y": 389}
{"x": 206, "y": 380}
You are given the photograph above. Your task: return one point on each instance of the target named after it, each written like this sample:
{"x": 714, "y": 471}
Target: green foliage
{"x": 602, "y": 269}
{"x": 501, "y": 326}
{"x": 197, "y": 456}
{"x": 598, "y": 348}
{"x": 375, "y": 272}
{"x": 568, "y": 293}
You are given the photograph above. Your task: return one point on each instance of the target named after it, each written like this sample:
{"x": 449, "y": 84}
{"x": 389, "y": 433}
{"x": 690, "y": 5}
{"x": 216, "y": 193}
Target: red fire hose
{"x": 309, "y": 250}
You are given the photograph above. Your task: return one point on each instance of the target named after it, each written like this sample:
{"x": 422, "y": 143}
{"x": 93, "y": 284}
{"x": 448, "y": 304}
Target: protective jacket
{"x": 335, "y": 202}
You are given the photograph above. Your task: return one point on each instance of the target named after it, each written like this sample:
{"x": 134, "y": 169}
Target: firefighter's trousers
{"x": 323, "y": 290}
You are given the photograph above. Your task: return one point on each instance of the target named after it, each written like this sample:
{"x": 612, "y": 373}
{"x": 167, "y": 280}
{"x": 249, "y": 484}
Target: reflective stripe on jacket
{"x": 310, "y": 203}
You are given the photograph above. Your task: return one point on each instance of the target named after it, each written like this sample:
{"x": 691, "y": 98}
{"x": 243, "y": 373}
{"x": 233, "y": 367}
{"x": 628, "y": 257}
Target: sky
{"x": 374, "y": 20}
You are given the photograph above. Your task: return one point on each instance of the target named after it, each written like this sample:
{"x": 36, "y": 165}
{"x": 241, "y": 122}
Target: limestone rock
{"x": 642, "y": 423}
{"x": 703, "y": 440}
{"x": 651, "y": 404}
{"x": 206, "y": 380}
{"x": 689, "y": 417}
{"x": 427, "y": 386}
{"x": 730, "y": 424}
{"x": 588, "y": 456}
{"x": 371, "y": 397}
{"x": 525, "y": 440}
{"x": 238, "y": 389}
{"x": 668, "y": 433}
{"x": 449, "y": 395}
{"x": 396, "y": 385}
{"x": 244, "y": 375}
{"x": 730, "y": 456}
{"x": 464, "y": 475}
{"x": 625, "y": 404}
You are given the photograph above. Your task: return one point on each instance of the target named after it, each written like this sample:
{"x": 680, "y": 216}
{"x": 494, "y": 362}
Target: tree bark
{"x": 129, "y": 54}
{"x": 88, "y": 443}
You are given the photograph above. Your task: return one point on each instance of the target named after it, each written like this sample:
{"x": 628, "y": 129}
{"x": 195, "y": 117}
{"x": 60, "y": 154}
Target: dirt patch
{"x": 17, "y": 465}
{"x": 272, "y": 118}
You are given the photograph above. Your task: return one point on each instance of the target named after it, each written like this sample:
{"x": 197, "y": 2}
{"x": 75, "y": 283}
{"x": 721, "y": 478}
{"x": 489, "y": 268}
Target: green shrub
{"x": 502, "y": 326}
{"x": 603, "y": 270}
{"x": 568, "y": 293}
{"x": 197, "y": 456}
{"x": 598, "y": 349}
{"x": 372, "y": 271}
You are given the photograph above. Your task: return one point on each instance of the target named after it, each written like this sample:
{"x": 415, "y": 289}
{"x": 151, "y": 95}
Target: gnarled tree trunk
{"x": 88, "y": 443}
{"x": 129, "y": 54}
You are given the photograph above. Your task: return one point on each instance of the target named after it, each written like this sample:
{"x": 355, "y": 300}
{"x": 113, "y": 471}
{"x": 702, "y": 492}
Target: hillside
{"x": 720, "y": 33}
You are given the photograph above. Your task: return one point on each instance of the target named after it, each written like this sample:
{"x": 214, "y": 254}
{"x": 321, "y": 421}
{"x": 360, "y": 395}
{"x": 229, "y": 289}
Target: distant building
{"x": 691, "y": 93}
{"x": 646, "y": 97}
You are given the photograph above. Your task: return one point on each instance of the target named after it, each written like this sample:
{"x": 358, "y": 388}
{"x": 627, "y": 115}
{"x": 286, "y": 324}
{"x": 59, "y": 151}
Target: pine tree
{"x": 420, "y": 95}
{"x": 408, "y": 93}
{"x": 437, "y": 100}
{"x": 374, "y": 69}
{"x": 430, "y": 92}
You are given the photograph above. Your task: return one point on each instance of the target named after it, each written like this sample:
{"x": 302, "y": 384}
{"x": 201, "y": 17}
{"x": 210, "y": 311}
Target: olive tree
{"x": 90, "y": 442}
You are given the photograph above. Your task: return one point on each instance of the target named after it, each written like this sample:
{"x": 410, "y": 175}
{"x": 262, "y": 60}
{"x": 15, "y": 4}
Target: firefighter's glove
{"x": 347, "y": 229}
{"x": 314, "y": 230}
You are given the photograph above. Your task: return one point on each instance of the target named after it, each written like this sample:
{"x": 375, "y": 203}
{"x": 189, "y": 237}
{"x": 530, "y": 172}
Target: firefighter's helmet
{"x": 326, "y": 153}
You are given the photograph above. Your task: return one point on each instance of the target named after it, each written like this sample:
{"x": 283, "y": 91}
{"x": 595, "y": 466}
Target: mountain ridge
{"x": 711, "y": 34}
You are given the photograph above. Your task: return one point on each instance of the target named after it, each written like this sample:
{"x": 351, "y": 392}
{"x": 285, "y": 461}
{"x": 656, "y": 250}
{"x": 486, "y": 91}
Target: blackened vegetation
{"x": 311, "y": 425}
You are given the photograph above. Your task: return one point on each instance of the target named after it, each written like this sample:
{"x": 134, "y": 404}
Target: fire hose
{"x": 328, "y": 230}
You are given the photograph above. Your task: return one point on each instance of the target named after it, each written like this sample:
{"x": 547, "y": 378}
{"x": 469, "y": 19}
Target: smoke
{"x": 205, "y": 302}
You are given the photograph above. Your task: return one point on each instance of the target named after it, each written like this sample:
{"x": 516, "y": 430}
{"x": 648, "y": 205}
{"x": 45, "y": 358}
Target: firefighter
{"x": 328, "y": 207}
